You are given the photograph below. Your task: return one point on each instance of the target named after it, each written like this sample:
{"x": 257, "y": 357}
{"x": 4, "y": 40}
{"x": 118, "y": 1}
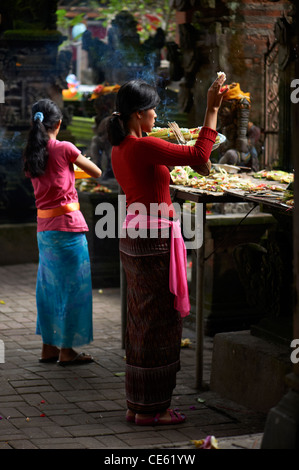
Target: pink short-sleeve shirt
{"x": 56, "y": 187}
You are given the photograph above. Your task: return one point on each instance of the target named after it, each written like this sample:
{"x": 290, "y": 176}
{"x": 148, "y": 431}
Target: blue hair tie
{"x": 39, "y": 115}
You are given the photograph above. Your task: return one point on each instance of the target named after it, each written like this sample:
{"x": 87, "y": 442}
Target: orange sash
{"x": 47, "y": 213}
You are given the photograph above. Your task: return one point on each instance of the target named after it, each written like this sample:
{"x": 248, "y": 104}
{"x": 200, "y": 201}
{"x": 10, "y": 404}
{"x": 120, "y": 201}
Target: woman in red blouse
{"x": 155, "y": 267}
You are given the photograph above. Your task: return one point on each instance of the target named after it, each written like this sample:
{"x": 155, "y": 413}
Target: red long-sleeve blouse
{"x": 140, "y": 166}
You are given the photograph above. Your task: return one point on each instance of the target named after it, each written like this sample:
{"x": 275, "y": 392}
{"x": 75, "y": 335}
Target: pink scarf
{"x": 178, "y": 284}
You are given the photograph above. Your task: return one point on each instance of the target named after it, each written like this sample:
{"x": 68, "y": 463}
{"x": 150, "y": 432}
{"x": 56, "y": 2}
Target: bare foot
{"x": 49, "y": 352}
{"x": 164, "y": 417}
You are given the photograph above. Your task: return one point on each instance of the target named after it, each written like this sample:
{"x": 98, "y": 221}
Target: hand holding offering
{"x": 216, "y": 92}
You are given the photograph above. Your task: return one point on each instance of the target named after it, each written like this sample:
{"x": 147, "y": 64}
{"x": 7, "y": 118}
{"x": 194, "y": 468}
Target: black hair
{"x": 45, "y": 116}
{"x": 135, "y": 95}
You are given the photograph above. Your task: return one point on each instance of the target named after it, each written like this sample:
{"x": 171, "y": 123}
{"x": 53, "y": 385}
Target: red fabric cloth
{"x": 140, "y": 166}
{"x": 56, "y": 187}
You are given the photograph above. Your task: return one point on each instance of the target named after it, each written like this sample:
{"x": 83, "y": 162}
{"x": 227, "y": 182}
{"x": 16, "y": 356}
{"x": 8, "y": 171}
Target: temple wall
{"x": 229, "y": 36}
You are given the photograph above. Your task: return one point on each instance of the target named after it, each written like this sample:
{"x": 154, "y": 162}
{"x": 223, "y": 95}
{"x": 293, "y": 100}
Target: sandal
{"x": 47, "y": 360}
{"x": 81, "y": 358}
{"x": 176, "y": 418}
{"x": 130, "y": 416}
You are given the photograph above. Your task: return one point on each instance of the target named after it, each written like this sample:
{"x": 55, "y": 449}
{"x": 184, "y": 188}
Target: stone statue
{"x": 123, "y": 57}
{"x": 100, "y": 148}
{"x": 241, "y": 136}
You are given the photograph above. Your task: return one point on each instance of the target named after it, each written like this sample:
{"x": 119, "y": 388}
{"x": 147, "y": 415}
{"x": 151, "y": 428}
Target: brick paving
{"x": 46, "y": 406}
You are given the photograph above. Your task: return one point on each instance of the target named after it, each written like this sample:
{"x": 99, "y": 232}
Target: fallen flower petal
{"x": 209, "y": 442}
{"x": 185, "y": 342}
{"x": 200, "y": 400}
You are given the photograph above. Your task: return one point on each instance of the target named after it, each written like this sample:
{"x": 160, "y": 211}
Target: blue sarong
{"x": 63, "y": 289}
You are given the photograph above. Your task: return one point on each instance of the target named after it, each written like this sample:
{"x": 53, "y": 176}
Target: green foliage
{"x": 64, "y": 22}
{"x": 159, "y": 8}
{"x": 161, "y": 15}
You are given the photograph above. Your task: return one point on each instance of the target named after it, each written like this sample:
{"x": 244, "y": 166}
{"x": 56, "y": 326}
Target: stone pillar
{"x": 30, "y": 69}
{"x": 282, "y": 426}
{"x": 283, "y": 33}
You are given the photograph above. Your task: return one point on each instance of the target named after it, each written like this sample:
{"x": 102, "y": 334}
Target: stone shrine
{"x": 30, "y": 69}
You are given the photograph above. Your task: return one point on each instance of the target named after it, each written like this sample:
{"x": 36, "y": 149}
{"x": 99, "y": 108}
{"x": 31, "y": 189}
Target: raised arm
{"x": 214, "y": 100}
{"x": 156, "y": 151}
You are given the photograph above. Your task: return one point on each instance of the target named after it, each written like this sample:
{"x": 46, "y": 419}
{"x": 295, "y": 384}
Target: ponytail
{"x": 45, "y": 117}
{"x": 35, "y": 154}
{"x": 116, "y": 129}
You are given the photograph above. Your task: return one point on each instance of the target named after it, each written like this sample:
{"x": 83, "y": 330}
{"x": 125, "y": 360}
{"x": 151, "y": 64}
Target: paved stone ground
{"x": 46, "y": 406}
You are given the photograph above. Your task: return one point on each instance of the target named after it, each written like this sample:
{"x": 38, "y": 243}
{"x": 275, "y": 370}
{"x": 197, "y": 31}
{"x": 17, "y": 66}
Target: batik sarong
{"x": 154, "y": 326}
{"x": 63, "y": 289}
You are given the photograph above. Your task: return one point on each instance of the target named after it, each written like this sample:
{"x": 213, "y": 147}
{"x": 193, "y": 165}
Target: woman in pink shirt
{"x": 63, "y": 288}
